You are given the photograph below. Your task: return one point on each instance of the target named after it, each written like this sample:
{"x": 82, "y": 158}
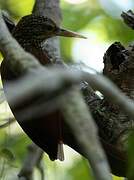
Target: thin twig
{"x": 7, "y": 123}
{"x": 41, "y": 169}
{"x": 33, "y": 157}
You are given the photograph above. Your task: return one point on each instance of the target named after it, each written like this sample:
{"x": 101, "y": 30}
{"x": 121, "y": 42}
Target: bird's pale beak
{"x": 67, "y": 33}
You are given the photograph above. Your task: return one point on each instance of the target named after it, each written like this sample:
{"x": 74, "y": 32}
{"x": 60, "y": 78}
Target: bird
{"x": 30, "y": 32}
{"x": 49, "y": 131}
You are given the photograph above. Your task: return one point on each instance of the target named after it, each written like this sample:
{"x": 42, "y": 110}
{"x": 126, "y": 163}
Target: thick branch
{"x": 48, "y": 8}
{"x": 82, "y": 124}
{"x": 61, "y": 78}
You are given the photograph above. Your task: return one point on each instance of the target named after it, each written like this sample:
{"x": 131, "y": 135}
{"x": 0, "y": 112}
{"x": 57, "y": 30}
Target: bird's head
{"x": 40, "y": 28}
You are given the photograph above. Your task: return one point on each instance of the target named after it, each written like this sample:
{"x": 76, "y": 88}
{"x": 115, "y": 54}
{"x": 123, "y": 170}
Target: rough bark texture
{"x": 119, "y": 67}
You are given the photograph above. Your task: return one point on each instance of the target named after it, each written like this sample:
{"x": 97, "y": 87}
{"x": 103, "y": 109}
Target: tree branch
{"x": 84, "y": 128}
{"x": 7, "y": 123}
{"x": 65, "y": 78}
{"x": 33, "y": 157}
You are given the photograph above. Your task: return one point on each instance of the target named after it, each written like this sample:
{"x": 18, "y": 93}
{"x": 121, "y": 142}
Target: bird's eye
{"x": 49, "y": 28}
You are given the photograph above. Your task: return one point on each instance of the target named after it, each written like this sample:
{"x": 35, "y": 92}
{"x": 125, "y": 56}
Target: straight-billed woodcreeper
{"x": 50, "y": 130}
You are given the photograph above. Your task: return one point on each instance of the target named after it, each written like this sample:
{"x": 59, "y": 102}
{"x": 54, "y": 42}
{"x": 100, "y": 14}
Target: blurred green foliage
{"x": 86, "y": 16}
{"x": 80, "y": 169}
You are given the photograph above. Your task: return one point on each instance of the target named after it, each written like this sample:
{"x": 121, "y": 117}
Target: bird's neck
{"x": 33, "y": 46}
